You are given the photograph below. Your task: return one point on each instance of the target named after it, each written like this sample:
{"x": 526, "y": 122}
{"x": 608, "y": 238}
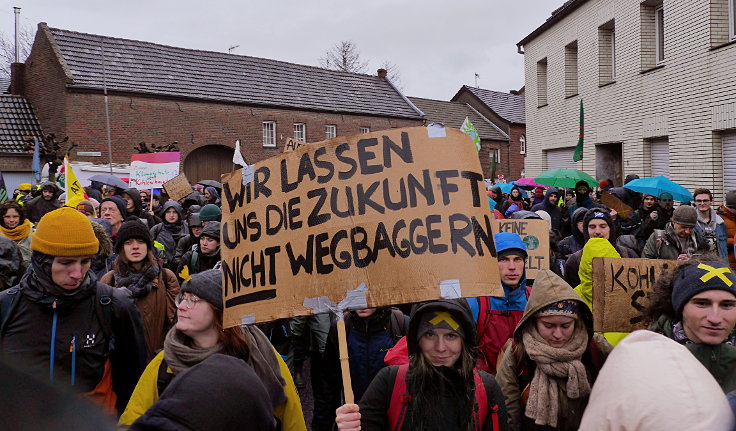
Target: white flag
{"x": 237, "y": 156}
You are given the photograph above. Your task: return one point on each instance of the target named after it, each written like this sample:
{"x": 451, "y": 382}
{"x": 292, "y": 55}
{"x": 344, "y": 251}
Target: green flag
{"x": 493, "y": 164}
{"x": 469, "y": 129}
{"x": 578, "y": 156}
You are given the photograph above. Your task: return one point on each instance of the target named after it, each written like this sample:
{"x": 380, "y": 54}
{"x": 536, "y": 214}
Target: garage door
{"x": 561, "y": 158}
{"x": 660, "y": 157}
{"x": 729, "y": 161}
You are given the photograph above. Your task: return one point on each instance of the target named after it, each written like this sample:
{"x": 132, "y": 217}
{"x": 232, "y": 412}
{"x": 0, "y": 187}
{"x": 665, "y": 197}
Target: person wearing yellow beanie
{"x": 60, "y": 303}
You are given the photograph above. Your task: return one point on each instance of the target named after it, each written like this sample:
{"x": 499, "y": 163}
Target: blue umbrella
{"x": 505, "y": 187}
{"x": 655, "y": 186}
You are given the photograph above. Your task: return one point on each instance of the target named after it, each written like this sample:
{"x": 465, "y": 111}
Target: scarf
{"x": 18, "y": 233}
{"x": 555, "y": 363}
{"x": 138, "y": 283}
{"x": 262, "y": 358}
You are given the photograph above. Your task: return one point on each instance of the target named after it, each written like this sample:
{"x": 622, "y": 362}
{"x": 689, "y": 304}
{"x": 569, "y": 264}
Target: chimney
{"x": 17, "y": 75}
{"x": 382, "y": 73}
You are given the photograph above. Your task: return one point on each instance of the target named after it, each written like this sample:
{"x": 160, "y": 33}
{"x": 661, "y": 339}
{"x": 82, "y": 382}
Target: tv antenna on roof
{"x": 476, "y": 80}
{"x": 230, "y": 50}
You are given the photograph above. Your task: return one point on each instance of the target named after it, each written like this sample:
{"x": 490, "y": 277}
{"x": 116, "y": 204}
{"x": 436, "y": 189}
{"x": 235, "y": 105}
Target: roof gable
{"x": 18, "y": 122}
{"x": 148, "y": 68}
{"x": 453, "y": 114}
{"x": 508, "y": 106}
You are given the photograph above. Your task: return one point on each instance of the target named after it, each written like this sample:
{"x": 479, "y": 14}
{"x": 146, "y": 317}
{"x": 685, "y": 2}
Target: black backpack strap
{"x": 8, "y": 303}
{"x": 399, "y": 324}
{"x": 103, "y": 307}
{"x": 164, "y": 377}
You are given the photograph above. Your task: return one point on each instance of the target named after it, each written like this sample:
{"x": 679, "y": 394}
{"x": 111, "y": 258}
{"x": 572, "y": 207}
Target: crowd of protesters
{"x": 119, "y": 298}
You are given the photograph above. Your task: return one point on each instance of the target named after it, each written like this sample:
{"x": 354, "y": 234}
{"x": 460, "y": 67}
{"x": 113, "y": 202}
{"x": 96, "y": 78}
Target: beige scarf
{"x": 554, "y": 363}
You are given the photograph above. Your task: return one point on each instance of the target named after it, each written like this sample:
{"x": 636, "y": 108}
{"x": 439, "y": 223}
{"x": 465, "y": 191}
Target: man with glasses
{"x": 711, "y": 224}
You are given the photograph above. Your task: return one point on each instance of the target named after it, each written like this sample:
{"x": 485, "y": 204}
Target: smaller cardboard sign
{"x": 620, "y": 289}
{"x": 178, "y": 187}
{"x": 152, "y": 170}
{"x": 624, "y": 211}
{"x": 291, "y": 144}
{"x": 535, "y": 234}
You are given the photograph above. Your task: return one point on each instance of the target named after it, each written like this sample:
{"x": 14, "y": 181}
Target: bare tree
{"x": 7, "y": 48}
{"x": 344, "y": 57}
{"x": 392, "y": 74}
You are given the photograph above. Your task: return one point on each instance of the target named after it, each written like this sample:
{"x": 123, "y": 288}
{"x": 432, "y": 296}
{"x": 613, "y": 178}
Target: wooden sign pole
{"x": 347, "y": 385}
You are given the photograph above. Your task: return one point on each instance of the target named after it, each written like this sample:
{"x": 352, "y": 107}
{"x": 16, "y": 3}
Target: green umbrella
{"x": 564, "y": 178}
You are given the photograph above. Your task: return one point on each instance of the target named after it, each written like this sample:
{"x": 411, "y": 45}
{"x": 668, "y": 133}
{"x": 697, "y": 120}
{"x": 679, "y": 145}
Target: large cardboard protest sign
{"x": 152, "y": 170}
{"x": 382, "y": 218}
{"x": 535, "y": 234}
{"x": 620, "y": 289}
{"x": 178, "y": 187}
{"x": 292, "y": 144}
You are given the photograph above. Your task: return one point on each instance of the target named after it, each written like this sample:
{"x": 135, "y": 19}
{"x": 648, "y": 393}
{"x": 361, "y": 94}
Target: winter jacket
{"x": 517, "y": 368}
{"x": 576, "y": 241}
{"x": 184, "y": 245}
{"x": 169, "y": 234}
{"x": 105, "y": 258}
{"x": 376, "y": 400}
{"x": 729, "y": 218}
{"x": 719, "y": 360}
{"x": 368, "y": 340}
{"x": 715, "y": 233}
{"x": 146, "y": 394}
{"x": 79, "y": 325}
{"x": 11, "y": 264}
{"x": 646, "y": 225}
{"x": 595, "y": 247}
{"x": 196, "y": 261}
{"x": 38, "y": 206}
{"x": 182, "y": 406}
{"x": 138, "y": 209}
{"x": 665, "y": 245}
{"x": 18, "y": 235}
{"x": 554, "y": 211}
{"x": 157, "y": 308}
{"x": 650, "y": 383}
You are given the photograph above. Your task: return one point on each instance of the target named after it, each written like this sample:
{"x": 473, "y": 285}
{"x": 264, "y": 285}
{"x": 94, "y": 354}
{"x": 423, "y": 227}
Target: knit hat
{"x": 439, "y": 320}
{"x": 133, "y": 228}
{"x": 212, "y": 230}
{"x": 685, "y": 215}
{"x": 731, "y": 199}
{"x": 567, "y": 308}
{"x": 210, "y": 212}
{"x": 693, "y": 279}
{"x": 119, "y": 202}
{"x": 86, "y": 206}
{"x": 64, "y": 232}
{"x": 597, "y": 213}
{"x": 206, "y": 285}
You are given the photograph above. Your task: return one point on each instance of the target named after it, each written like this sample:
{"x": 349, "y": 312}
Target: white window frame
{"x": 269, "y": 134}
{"x": 659, "y": 34}
{"x": 522, "y": 144}
{"x": 300, "y": 132}
{"x": 497, "y": 151}
{"x": 365, "y": 130}
{"x": 613, "y": 53}
{"x": 731, "y": 19}
{"x": 330, "y": 131}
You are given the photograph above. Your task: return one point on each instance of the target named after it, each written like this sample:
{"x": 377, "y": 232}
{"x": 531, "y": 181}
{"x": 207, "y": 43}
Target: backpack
{"x": 400, "y": 400}
{"x": 103, "y": 297}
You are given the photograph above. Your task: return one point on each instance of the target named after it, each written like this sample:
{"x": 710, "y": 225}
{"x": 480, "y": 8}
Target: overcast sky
{"x": 437, "y": 45}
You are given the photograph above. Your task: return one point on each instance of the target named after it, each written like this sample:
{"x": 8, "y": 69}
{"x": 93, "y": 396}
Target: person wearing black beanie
{"x": 112, "y": 209}
{"x": 152, "y": 286}
{"x": 203, "y": 255}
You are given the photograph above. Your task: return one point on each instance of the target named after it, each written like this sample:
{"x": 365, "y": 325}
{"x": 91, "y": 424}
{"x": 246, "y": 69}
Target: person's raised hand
{"x": 348, "y": 417}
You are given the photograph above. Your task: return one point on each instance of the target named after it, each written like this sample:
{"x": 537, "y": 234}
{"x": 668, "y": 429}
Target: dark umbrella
{"x": 110, "y": 180}
{"x": 211, "y": 183}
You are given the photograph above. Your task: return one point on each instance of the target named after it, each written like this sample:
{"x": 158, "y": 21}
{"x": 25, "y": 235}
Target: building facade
{"x": 204, "y": 101}
{"x": 656, "y": 81}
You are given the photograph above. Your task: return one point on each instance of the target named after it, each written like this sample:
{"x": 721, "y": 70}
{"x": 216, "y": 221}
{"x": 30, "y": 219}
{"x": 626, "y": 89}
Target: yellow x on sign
{"x": 447, "y": 317}
{"x": 715, "y": 272}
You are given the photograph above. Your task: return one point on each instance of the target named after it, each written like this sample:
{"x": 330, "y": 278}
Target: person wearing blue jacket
{"x": 497, "y": 317}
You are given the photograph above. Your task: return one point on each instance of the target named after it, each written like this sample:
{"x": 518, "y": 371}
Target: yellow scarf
{"x": 18, "y": 233}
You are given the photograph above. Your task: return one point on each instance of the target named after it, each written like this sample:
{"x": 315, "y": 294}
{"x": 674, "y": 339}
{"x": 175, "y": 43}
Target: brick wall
{"x": 684, "y": 100}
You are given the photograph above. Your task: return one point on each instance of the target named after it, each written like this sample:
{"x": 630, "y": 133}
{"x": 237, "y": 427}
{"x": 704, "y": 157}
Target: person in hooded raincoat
{"x": 135, "y": 207}
{"x": 169, "y": 232}
{"x": 549, "y": 205}
{"x": 46, "y": 202}
{"x": 547, "y": 373}
{"x": 575, "y": 241}
{"x": 695, "y": 305}
{"x": 440, "y": 379}
{"x": 197, "y": 335}
{"x": 651, "y": 383}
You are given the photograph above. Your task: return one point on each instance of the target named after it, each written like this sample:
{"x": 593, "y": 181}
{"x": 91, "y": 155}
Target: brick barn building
{"x": 203, "y": 100}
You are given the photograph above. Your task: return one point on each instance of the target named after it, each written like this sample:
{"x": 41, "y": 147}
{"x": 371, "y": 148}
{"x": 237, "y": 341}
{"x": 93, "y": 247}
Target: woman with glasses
{"x": 152, "y": 286}
{"x": 197, "y": 335}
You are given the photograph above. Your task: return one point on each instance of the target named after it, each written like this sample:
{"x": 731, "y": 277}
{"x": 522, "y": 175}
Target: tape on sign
{"x": 436, "y": 130}
{"x": 450, "y": 289}
{"x": 248, "y": 319}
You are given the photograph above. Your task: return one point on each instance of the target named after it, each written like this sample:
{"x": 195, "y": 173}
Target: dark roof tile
{"x": 144, "y": 67}
{"x": 18, "y": 122}
{"x": 452, "y": 114}
{"x": 508, "y": 106}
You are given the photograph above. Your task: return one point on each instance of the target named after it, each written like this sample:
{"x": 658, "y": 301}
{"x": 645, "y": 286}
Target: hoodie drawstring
{"x": 53, "y": 342}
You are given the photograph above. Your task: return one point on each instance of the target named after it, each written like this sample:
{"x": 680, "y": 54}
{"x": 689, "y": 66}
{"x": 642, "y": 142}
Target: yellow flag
{"x": 74, "y": 191}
